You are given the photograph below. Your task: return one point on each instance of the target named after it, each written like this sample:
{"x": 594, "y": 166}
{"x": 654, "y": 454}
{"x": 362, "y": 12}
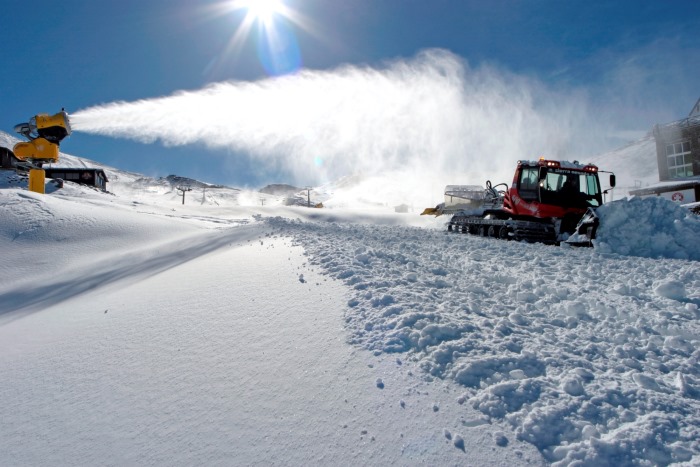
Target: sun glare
{"x": 263, "y": 10}
{"x": 271, "y": 24}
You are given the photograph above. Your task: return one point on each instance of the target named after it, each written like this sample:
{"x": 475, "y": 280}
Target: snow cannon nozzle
{"x": 53, "y": 128}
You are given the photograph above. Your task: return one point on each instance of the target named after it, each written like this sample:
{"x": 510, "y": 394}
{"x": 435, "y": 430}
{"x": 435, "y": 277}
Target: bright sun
{"x": 263, "y": 10}
{"x": 274, "y": 23}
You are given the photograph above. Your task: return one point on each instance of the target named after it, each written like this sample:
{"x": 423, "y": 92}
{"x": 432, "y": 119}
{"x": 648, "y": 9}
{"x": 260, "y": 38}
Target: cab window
{"x": 528, "y": 183}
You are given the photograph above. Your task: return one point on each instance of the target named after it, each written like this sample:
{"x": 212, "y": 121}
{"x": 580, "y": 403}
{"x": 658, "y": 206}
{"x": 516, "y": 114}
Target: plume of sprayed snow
{"x": 424, "y": 122}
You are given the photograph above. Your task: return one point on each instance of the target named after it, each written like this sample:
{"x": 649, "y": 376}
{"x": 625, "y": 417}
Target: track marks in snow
{"x": 129, "y": 267}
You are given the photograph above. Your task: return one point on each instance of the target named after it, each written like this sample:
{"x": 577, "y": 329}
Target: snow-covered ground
{"x": 135, "y": 330}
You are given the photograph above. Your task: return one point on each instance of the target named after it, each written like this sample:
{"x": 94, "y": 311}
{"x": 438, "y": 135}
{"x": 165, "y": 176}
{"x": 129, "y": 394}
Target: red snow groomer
{"x": 549, "y": 201}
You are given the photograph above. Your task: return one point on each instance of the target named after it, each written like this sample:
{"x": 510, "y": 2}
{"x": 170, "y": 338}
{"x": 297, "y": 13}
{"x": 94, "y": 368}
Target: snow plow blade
{"x": 431, "y": 212}
{"x": 585, "y": 230}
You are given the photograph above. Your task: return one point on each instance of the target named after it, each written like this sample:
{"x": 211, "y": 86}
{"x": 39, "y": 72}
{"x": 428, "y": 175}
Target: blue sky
{"x": 637, "y": 62}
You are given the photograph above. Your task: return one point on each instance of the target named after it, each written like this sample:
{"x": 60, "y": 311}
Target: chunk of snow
{"x": 673, "y": 289}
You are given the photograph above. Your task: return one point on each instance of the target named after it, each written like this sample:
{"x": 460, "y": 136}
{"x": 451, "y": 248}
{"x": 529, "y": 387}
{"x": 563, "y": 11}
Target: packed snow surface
{"x": 135, "y": 330}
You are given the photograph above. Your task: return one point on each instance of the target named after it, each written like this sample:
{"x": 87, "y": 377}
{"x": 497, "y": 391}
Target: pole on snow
{"x": 183, "y": 189}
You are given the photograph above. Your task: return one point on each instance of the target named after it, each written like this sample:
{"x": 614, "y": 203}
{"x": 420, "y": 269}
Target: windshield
{"x": 563, "y": 187}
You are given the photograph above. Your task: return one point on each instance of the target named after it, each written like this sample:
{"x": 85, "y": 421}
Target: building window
{"x": 680, "y": 162}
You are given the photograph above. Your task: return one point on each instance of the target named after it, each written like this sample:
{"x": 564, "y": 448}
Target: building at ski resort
{"x": 83, "y": 176}
{"x": 678, "y": 158}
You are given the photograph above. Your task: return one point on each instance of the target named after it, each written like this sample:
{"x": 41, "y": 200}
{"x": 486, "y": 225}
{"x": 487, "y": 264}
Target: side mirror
{"x": 612, "y": 180}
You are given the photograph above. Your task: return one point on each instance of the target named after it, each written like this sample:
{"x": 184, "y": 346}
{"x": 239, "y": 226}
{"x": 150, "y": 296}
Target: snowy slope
{"x": 7, "y": 140}
{"x": 132, "y": 336}
{"x": 634, "y": 165}
{"x": 136, "y": 330}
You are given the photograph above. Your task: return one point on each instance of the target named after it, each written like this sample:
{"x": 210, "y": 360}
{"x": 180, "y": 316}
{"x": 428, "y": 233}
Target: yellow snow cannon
{"x": 45, "y": 133}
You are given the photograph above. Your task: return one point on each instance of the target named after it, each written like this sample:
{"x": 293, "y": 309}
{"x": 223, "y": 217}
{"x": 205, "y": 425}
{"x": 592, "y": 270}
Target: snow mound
{"x": 650, "y": 227}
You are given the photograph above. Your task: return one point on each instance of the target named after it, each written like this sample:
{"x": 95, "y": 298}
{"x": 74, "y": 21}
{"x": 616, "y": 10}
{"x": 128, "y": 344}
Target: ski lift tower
{"x": 182, "y": 190}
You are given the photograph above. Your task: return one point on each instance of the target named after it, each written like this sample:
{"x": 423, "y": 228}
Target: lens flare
{"x": 271, "y": 24}
{"x": 278, "y": 50}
